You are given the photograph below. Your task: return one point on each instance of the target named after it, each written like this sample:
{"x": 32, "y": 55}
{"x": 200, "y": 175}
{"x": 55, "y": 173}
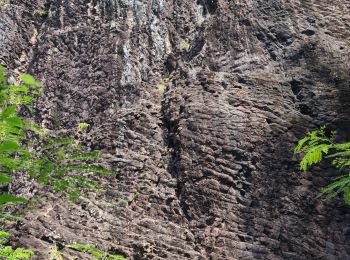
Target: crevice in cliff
{"x": 172, "y": 140}
{"x": 38, "y": 27}
{"x": 209, "y": 6}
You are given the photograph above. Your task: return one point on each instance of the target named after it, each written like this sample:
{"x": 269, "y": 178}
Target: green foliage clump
{"x": 59, "y": 162}
{"x": 7, "y": 252}
{"x": 186, "y": 44}
{"x": 316, "y": 146}
{"x": 99, "y": 255}
{"x": 4, "y": 236}
{"x": 82, "y": 126}
{"x": 14, "y": 150}
{"x": 50, "y": 160}
{"x": 27, "y": 148}
{"x": 41, "y": 12}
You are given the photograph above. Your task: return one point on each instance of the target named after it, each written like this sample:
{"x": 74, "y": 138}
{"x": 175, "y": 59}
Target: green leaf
{"x": 60, "y": 185}
{"x": 73, "y": 194}
{"x": 20, "y": 253}
{"x": 8, "y": 217}
{"x": 8, "y": 198}
{"x": 115, "y": 257}
{"x": 83, "y": 126}
{"x": 8, "y": 111}
{"x": 161, "y": 88}
{"x": 4, "y": 236}
{"x": 5, "y": 178}
{"x": 8, "y": 146}
{"x": 10, "y": 163}
{"x": 334, "y": 188}
{"x": 55, "y": 142}
{"x": 3, "y": 78}
{"x": 14, "y": 121}
{"x": 347, "y": 195}
{"x": 28, "y": 79}
{"x": 27, "y": 100}
{"x": 45, "y": 169}
{"x": 19, "y": 89}
{"x": 88, "y": 249}
{"x": 313, "y": 156}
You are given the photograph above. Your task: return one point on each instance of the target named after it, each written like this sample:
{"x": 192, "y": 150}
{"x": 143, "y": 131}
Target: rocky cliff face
{"x": 198, "y": 106}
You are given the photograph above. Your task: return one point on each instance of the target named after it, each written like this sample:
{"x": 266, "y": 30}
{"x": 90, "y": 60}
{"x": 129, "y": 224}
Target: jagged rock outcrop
{"x": 205, "y": 168}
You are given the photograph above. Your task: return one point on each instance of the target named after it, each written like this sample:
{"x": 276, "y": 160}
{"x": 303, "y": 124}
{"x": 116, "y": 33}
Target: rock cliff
{"x": 198, "y": 106}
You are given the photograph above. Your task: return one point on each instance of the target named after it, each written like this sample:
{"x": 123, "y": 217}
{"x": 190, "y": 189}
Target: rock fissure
{"x": 173, "y": 142}
{"x": 205, "y": 170}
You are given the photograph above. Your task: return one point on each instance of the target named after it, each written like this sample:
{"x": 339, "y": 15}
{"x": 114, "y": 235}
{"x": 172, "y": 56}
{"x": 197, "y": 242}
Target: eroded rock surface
{"x": 205, "y": 168}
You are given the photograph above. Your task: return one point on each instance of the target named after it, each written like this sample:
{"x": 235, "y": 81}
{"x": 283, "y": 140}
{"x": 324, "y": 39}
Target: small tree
{"x": 27, "y": 148}
{"x": 51, "y": 160}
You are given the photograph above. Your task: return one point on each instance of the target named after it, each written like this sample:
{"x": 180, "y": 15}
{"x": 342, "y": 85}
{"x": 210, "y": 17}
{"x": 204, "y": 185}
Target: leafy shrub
{"x": 82, "y": 126}
{"x": 7, "y": 252}
{"x": 41, "y": 12}
{"x": 316, "y": 146}
{"x": 59, "y": 163}
{"x": 14, "y": 152}
{"x": 186, "y": 45}
{"x": 51, "y": 160}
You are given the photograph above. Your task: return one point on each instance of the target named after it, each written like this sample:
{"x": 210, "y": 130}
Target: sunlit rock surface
{"x": 198, "y": 106}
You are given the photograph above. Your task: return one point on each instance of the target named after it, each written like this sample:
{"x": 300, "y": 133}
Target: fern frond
{"x": 335, "y": 188}
{"x": 17, "y": 254}
{"x": 50, "y": 160}
{"x": 4, "y": 178}
{"x": 341, "y": 163}
{"x": 314, "y": 155}
{"x": 316, "y": 146}
{"x": 8, "y": 198}
{"x": 4, "y": 237}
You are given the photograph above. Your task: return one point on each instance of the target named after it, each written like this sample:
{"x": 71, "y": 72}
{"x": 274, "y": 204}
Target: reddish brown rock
{"x": 205, "y": 168}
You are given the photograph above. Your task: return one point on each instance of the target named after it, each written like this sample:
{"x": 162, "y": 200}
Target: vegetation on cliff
{"x": 317, "y": 146}
{"x": 27, "y": 148}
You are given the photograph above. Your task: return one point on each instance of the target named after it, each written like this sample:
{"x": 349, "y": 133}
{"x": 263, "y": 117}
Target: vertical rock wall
{"x": 205, "y": 167}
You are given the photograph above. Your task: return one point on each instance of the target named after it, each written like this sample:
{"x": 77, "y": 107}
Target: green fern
{"x": 59, "y": 162}
{"x": 41, "y": 12}
{"x": 317, "y": 146}
{"x": 82, "y": 126}
{"x": 4, "y": 237}
{"x": 13, "y": 152}
{"x": 8, "y": 253}
{"x": 50, "y": 160}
